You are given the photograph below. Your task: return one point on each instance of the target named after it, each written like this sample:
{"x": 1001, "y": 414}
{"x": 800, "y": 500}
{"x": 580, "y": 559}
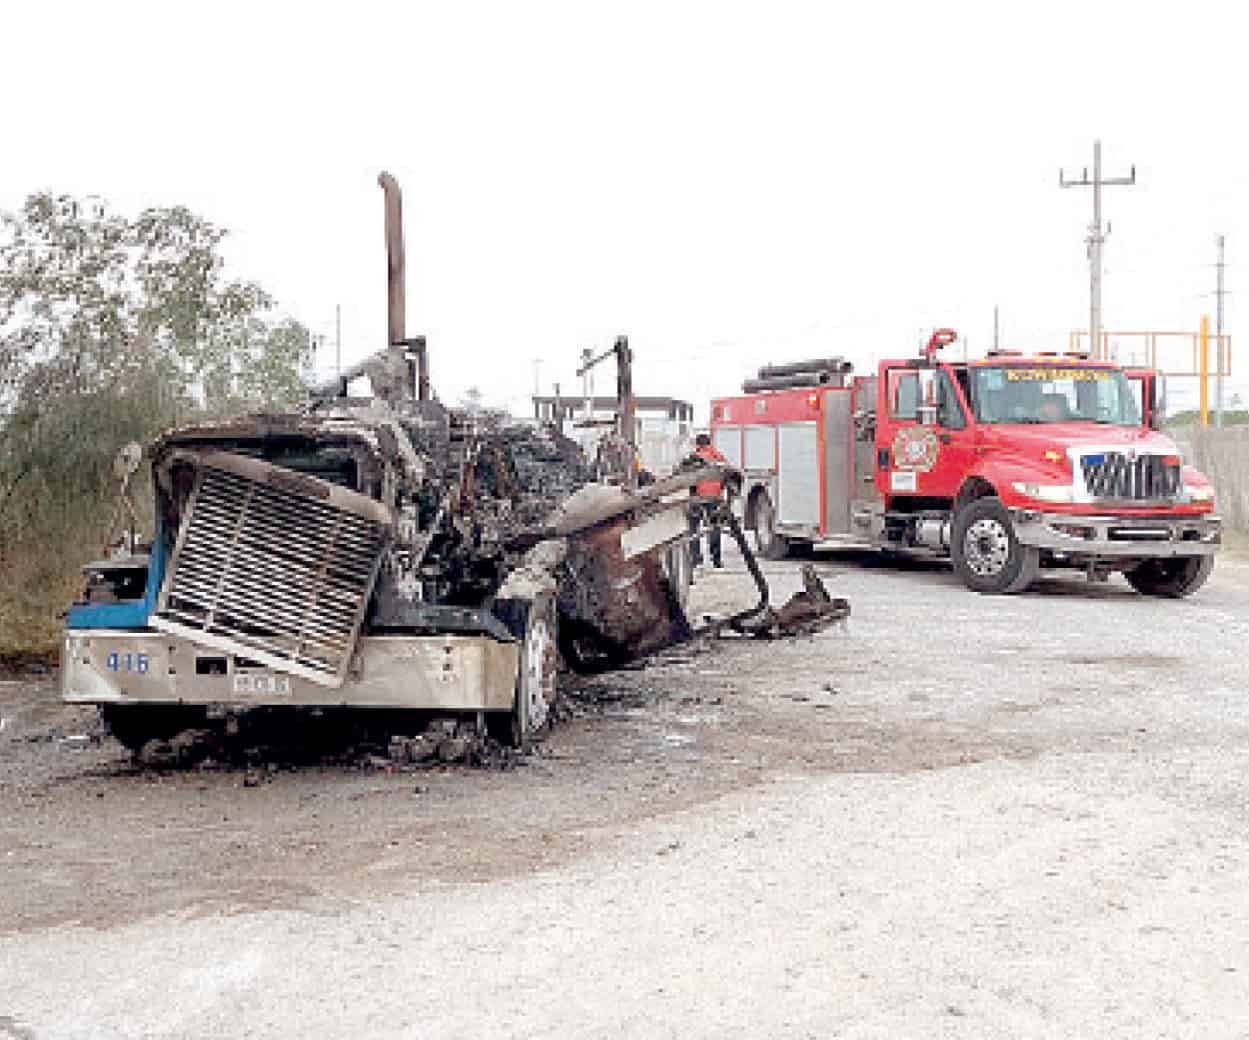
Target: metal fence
{"x": 1223, "y": 456}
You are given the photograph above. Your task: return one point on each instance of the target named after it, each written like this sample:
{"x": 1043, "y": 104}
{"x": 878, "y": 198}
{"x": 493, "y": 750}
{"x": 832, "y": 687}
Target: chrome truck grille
{"x": 1118, "y": 476}
{"x": 273, "y": 566}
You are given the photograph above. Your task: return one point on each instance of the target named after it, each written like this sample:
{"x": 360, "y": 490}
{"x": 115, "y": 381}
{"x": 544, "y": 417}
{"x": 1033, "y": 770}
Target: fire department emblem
{"x": 915, "y": 448}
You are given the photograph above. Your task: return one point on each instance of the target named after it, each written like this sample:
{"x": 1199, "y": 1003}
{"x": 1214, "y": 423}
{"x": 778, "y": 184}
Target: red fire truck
{"x": 1005, "y": 465}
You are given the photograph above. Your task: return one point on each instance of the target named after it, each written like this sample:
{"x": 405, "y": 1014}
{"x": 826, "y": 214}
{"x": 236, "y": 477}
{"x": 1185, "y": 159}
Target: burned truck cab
{"x": 318, "y": 560}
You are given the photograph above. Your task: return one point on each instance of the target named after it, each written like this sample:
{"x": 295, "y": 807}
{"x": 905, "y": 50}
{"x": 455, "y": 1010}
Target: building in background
{"x": 665, "y": 426}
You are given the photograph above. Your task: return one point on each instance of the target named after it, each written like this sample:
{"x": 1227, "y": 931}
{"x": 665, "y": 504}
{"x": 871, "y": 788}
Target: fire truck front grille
{"x": 1116, "y": 476}
{"x": 273, "y": 566}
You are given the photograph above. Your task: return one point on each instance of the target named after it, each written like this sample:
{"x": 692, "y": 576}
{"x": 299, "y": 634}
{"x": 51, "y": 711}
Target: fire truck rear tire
{"x": 1173, "y": 578}
{"x": 768, "y": 544}
{"x": 987, "y": 556}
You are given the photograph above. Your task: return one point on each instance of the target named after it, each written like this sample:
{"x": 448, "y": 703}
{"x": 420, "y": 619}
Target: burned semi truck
{"x": 382, "y": 552}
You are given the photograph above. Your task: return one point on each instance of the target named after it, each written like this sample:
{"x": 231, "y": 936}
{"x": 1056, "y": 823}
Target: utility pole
{"x": 1096, "y": 239}
{"x": 626, "y": 434}
{"x": 1219, "y": 292}
{"x": 338, "y": 341}
{"x": 627, "y": 405}
{"x": 587, "y": 383}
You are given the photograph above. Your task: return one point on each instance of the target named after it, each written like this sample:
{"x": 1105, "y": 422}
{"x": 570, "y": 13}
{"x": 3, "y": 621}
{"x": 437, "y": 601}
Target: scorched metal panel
{"x": 273, "y": 565}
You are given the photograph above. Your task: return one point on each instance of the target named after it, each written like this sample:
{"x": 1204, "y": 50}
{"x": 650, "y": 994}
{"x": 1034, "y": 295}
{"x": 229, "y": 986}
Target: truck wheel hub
{"x": 986, "y": 547}
{"x": 538, "y": 674}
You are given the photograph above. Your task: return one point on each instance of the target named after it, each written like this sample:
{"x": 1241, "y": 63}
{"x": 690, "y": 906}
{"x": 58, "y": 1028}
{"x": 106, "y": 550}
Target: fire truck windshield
{"x": 1053, "y": 393}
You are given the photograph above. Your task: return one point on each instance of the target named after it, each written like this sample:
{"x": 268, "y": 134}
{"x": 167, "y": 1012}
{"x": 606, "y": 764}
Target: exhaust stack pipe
{"x": 396, "y": 319}
{"x": 396, "y": 311}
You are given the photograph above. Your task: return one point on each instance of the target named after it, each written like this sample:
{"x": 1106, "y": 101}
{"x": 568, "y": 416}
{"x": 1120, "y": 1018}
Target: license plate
{"x": 903, "y": 480}
{"x": 250, "y": 684}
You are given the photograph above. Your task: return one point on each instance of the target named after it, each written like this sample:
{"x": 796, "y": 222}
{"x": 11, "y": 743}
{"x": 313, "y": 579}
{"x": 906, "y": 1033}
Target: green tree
{"x": 111, "y": 329}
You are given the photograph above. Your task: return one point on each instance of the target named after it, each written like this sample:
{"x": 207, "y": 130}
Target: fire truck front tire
{"x": 768, "y": 544}
{"x": 986, "y": 553}
{"x": 1172, "y": 578}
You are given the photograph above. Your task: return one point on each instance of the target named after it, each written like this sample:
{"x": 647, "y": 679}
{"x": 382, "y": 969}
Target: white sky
{"x": 729, "y": 184}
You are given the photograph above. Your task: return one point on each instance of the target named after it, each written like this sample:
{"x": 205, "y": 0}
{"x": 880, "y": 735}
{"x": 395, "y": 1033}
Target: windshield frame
{"x": 1072, "y": 394}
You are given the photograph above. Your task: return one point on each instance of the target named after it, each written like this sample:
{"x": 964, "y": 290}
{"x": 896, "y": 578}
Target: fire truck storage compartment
{"x": 798, "y": 485}
{"x": 728, "y": 441}
{"x": 865, "y": 441}
{"x": 760, "y": 448}
{"x": 837, "y": 490}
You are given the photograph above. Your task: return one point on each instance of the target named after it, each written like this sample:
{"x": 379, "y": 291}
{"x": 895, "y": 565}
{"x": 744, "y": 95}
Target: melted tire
{"x": 986, "y": 554}
{"x": 134, "y": 725}
{"x": 1171, "y": 578}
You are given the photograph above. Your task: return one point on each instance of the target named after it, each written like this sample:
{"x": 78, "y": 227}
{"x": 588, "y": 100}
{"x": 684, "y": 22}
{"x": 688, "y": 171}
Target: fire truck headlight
{"x": 1044, "y": 492}
{"x": 1203, "y": 493}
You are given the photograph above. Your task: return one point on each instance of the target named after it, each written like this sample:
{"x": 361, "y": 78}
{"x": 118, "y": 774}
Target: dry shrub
{"x": 40, "y": 587}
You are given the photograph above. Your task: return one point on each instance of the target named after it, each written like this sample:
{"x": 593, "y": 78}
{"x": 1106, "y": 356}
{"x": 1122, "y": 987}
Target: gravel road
{"x": 959, "y": 816}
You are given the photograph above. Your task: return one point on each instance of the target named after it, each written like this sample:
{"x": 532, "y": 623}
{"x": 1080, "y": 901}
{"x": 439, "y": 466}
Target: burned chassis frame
{"x": 805, "y": 612}
{"x": 465, "y": 671}
{"x": 444, "y": 671}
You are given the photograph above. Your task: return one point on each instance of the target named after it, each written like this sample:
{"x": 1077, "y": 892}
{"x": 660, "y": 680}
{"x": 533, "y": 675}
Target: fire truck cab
{"x": 1006, "y": 465}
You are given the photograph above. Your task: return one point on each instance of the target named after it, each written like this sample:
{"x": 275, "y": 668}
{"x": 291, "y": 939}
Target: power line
{"x": 1096, "y": 238}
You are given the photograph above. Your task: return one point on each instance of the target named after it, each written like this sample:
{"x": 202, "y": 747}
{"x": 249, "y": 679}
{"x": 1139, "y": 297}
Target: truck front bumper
{"x": 1120, "y": 536}
{"x": 436, "y": 672}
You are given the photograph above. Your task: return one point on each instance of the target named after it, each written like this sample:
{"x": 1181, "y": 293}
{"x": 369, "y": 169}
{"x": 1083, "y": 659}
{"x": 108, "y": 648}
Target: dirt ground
{"x": 928, "y": 817}
{"x": 683, "y": 729}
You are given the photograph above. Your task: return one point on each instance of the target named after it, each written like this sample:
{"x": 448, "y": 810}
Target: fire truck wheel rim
{"x": 986, "y": 547}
